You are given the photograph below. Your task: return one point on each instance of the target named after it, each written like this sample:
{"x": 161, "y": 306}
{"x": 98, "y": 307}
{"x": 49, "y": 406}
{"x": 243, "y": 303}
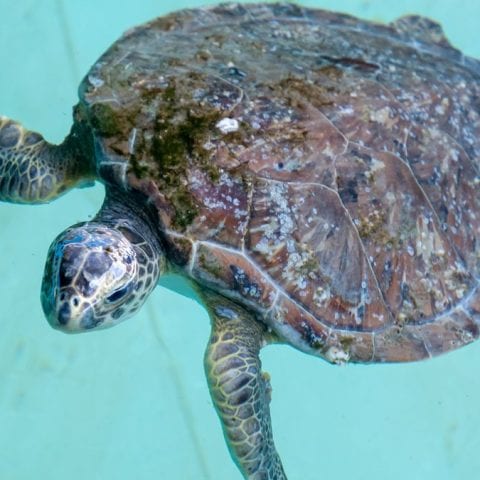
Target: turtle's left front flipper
{"x": 239, "y": 389}
{"x": 35, "y": 171}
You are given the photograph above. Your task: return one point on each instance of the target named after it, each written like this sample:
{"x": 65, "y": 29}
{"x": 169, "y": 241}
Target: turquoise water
{"x": 132, "y": 402}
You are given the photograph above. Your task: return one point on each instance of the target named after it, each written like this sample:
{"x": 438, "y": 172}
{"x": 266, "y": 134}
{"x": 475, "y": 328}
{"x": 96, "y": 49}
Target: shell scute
{"x": 303, "y": 237}
{"x": 400, "y": 230}
{"x": 369, "y": 115}
{"x": 305, "y": 154}
{"x": 224, "y": 204}
{"x": 450, "y": 181}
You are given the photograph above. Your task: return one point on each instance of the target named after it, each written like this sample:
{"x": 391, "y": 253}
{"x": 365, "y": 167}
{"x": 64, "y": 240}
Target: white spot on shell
{"x": 337, "y": 355}
{"x": 227, "y": 125}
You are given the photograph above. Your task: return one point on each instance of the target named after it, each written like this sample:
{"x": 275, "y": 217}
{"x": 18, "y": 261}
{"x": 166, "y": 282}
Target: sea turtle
{"x": 314, "y": 175}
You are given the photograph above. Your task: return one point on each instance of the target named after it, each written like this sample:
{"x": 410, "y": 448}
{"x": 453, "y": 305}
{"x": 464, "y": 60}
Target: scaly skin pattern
{"x": 319, "y": 169}
{"x": 239, "y": 389}
{"x": 34, "y": 171}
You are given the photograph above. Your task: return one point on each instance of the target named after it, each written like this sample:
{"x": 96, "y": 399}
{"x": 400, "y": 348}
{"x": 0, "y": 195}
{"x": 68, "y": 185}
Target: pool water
{"x": 132, "y": 402}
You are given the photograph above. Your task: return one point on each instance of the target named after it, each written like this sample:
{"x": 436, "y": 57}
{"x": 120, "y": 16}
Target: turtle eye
{"x": 118, "y": 294}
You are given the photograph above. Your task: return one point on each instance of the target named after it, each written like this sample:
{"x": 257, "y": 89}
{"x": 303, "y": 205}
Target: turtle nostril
{"x": 64, "y": 314}
{"x": 75, "y": 301}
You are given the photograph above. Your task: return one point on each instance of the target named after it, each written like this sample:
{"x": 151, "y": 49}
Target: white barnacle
{"x": 225, "y": 179}
{"x": 95, "y": 81}
{"x": 337, "y": 356}
{"x": 208, "y": 145}
{"x": 227, "y": 125}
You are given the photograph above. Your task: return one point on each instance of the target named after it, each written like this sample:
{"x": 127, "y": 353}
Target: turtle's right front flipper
{"x": 240, "y": 390}
{"x": 35, "y": 171}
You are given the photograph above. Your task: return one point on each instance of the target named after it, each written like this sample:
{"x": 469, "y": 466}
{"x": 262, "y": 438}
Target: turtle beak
{"x": 67, "y": 313}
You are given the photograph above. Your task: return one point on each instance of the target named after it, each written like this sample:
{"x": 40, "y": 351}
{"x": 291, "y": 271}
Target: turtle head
{"x": 96, "y": 276}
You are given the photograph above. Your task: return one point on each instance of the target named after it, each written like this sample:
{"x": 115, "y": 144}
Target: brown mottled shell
{"x": 319, "y": 169}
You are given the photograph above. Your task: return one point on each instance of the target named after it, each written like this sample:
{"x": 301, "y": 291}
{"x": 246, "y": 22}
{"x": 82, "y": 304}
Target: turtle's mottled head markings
{"x": 97, "y": 276}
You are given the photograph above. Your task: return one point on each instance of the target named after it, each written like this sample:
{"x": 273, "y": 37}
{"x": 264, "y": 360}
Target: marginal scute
{"x": 319, "y": 169}
{"x": 352, "y": 345}
{"x": 307, "y": 333}
{"x": 450, "y": 331}
{"x": 232, "y": 273}
{"x": 421, "y": 28}
{"x": 400, "y": 345}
